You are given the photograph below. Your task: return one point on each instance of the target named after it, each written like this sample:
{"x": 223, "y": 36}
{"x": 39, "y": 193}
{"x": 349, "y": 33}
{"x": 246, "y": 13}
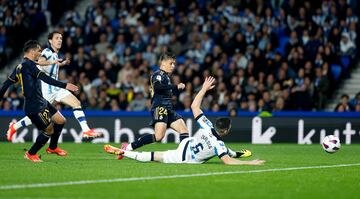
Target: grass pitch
{"x": 88, "y": 172}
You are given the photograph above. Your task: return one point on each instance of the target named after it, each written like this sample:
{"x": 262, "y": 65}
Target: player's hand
{"x": 57, "y": 62}
{"x": 72, "y": 87}
{"x": 209, "y": 83}
{"x": 181, "y": 86}
{"x": 256, "y": 162}
{"x": 65, "y": 62}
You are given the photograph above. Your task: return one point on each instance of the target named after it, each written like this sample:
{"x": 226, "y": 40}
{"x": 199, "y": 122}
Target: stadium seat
{"x": 336, "y": 71}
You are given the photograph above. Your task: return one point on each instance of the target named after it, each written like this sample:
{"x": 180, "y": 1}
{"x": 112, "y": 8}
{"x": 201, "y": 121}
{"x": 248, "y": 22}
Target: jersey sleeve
{"x": 46, "y": 53}
{"x": 159, "y": 83}
{"x": 12, "y": 77}
{"x": 219, "y": 147}
{"x": 204, "y": 122}
{"x": 156, "y": 79}
{"x": 33, "y": 70}
{"x": 10, "y": 80}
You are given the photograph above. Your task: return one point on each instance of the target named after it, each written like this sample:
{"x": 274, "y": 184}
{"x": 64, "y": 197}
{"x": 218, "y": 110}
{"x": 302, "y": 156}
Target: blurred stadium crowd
{"x": 266, "y": 55}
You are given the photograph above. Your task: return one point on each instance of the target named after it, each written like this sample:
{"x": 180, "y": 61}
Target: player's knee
{"x": 50, "y": 129}
{"x": 159, "y": 137}
{"x": 181, "y": 127}
{"x": 76, "y": 103}
{"x": 62, "y": 120}
{"x": 184, "y": 130}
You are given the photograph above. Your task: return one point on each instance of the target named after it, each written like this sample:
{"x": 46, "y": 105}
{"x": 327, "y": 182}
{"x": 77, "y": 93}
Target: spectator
{"x": 263, "y": 56}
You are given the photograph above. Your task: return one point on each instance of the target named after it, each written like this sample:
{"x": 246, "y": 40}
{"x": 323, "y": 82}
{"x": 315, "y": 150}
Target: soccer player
{"x": 50, "y": 63}
{"x": 41, "y": 113}
{"x": 204, "y": 145}
{"x": 163, "y": 115}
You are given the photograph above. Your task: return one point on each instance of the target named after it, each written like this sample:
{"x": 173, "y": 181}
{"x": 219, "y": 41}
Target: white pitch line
{"x": 55, "y": 184}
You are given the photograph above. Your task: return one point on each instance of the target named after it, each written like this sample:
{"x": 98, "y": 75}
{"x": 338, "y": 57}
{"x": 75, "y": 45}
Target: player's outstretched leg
{"x": 143, "y": 140}
{"x": 16, "y": 125}
{"x": 72, "y": 101}
{"x": 80, "y": 117}
{"x": 139, "y": 156}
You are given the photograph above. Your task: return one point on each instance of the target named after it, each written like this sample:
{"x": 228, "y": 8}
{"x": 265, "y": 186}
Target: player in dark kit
{"x": 163, "y": 115}
{"x": 44, "y": 115}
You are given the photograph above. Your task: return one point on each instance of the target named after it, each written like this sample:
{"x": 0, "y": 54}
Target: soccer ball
{"x": 331, "y": 144}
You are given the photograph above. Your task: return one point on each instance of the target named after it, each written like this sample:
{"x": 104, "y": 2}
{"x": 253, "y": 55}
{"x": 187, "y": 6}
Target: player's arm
{"x": 51, "y": 81}
{"x": 238, "y": 154}
{"x": 159, "y": 84}
{"x": 4, "y": 87}
{"x": 195, "y": 106}
{"x": 47, "y": 79}
{"x": 43, "y": 62}
{"x": 231, "y": 161}
{"x": 231, "y": 153}
{"x": 8, "y": 82}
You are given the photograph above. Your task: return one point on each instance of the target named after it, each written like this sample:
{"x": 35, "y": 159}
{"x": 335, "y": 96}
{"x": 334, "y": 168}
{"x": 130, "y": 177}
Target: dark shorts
{"x": 43, "y": 119}
{"x": 162, "y": 114}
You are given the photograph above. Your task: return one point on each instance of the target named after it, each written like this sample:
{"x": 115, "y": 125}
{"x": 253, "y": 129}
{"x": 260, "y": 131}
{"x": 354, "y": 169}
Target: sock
{"x": 80, "y": 116}
{"x": 39, "y": 143}
{"x": 183, "y": 136}
{"x": 129, "y": 147}
{"x": 140, "y": 156}
{"x": 22, "y": 123}
{"x": 55, "y": 137}
{"x": 143, "y": 140}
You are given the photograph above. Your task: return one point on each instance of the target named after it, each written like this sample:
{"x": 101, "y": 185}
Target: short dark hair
{"x": 51, "y": 35}
{"x": 31, "y": 44}
{"x": 222, "y": 123}
{"x": 166, "y": 55}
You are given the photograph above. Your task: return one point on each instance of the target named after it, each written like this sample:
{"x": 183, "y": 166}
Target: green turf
{"x": 89, "y": 162}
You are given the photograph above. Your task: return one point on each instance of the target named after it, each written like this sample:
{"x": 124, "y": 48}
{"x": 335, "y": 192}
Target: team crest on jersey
{"x": 158, "y": 77}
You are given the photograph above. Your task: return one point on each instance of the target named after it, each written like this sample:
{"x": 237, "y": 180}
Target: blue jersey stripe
{"x": 53, "y": 66}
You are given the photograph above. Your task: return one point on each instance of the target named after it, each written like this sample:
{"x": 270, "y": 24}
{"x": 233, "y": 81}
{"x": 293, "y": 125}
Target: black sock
{"x": 183, "y": 136}
{"x": 152, "y": 156}
{"x": 143, "y": 140}
{"x": 55, "y": 137}
{"x": 39, "y": 143}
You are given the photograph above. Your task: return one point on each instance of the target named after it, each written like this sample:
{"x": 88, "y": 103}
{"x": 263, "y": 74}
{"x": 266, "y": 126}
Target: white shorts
{"x": 181, "y": 155}
{"x": 53, "y": 93}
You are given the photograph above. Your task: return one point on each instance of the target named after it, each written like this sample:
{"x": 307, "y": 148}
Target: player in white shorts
{"x": 198, "y": 149}
{"x": 49, "y": 62}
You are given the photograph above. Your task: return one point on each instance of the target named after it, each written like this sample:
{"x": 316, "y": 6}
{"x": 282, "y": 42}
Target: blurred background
{"x": 275, "y": 55}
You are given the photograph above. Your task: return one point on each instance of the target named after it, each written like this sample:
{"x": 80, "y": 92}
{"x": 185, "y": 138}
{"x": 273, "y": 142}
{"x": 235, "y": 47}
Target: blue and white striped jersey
{"x": 206, "y": 143}
{"x": 53, "y": 69}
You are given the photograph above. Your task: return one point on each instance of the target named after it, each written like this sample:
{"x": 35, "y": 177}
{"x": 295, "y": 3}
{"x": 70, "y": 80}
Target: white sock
{"x": 139, "y": 156}
{"x": 129, "y": 147}
{"x": 25, "y": 121}
{"x": 80, "y": 116}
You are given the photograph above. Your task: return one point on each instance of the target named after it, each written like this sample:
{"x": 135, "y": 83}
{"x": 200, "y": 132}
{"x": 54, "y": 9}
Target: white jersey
{"x": 53, "y": 69}
{"x": 50, "y": 92}
{"x": 206, "y": 143}
{"x": 199, "y": 148}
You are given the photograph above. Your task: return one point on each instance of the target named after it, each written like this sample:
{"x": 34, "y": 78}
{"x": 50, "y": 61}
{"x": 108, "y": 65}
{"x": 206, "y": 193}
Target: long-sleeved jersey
{"x": 29, "y": 76}
{"x": 161, "y": 90}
